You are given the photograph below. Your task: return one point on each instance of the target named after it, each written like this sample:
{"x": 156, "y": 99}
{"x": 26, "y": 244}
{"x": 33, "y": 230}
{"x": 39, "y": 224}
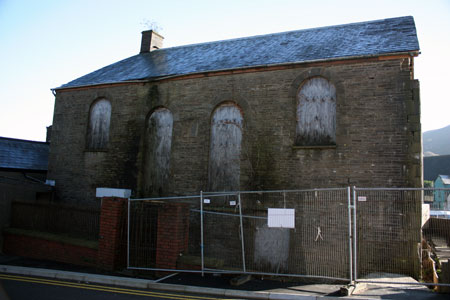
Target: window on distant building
{"x": 99, "y": 122}
{"x": 316, "y": 113}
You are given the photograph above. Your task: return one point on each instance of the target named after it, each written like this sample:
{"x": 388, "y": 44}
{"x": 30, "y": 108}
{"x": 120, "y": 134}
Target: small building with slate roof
{"x": 23, "y": 169}
{"x": 23, "y": 155}
{"x": 317, "y": 108}
{"x": 23, "y": 172}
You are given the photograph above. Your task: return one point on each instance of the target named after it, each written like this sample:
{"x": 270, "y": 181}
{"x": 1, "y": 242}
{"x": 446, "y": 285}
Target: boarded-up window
{"x": 316, "y": 113}
{"x": 158, "y": 148}
{"x": 225, "y": 148}
{"x": 99, "y": 121}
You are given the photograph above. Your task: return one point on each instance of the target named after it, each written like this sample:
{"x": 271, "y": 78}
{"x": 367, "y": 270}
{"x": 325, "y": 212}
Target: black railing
{"x": 73, "y": 221}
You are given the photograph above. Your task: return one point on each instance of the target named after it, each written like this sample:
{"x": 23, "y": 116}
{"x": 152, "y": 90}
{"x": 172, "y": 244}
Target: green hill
{"x": 437, "y": 142}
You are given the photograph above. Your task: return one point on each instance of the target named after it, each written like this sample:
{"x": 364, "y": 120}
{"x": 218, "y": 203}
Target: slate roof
{"x": 445, "y": 179}
{"x": 23, "y": 155}
{"x": 371, "y": 38}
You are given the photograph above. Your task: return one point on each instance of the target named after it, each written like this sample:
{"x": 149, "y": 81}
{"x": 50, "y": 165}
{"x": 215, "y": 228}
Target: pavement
{"x": 380, "y": 287}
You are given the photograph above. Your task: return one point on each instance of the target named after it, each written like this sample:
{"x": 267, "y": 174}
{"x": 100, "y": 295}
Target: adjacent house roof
{"x": 374, "y": 38}
{"x": 23, "y": 155}
{"x": 445, "y": 179}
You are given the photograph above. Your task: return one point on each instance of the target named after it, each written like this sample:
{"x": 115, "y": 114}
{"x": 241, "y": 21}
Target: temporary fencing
{"x": 302, "y": 233}
{"x": 338, "y": 234}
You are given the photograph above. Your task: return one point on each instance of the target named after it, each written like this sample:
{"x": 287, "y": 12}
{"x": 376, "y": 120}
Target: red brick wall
{"x": 112, "y": 217}
{"x": 172, "y": 236}
{"x": 111, "y": 252}
{"x": 39, "y": 248}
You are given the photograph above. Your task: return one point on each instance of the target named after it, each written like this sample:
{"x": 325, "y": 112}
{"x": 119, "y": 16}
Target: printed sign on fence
{"x": 281, "y": 217}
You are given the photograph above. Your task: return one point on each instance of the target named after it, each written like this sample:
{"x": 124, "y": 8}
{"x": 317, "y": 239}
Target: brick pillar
{"x": 112, "y": 218}
{"x": 173, "y": 234}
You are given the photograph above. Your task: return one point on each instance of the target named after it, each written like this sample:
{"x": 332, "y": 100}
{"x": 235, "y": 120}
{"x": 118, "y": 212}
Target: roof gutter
{"x": 414, "y": 53}
{"x": 54, "y": 90}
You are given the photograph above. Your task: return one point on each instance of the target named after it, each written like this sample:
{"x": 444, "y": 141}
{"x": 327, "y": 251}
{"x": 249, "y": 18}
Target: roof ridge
{"x": 280, "y": 33}
{"x": 21, "y": 140}
{"x": 359, "y": 39}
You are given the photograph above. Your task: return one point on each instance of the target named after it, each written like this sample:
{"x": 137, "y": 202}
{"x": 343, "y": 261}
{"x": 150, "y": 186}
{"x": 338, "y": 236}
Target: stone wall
{"x": 77, "y": 171}
{"x": 377, "y": 131}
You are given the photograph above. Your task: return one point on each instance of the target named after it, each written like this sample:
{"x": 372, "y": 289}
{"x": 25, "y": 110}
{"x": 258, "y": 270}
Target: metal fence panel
{"x": 335, "y": 234}
{"x": 436, "y": 238}
{"x": 229, "y": 232}
{"x": 404, "y": 231}
{"x": 318, "y": 245}
{"x": 222, "y": 241}
{"x": 388, "y": 226}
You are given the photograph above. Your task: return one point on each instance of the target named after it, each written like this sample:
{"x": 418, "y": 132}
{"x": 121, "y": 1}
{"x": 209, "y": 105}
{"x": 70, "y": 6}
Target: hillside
{"x": 436, "y": 165}
{"x": 437, "y": 142}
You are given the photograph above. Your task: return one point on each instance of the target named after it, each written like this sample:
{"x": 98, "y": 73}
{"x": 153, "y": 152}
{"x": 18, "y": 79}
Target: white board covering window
{"x": 158, "y": 150}
{"x": 316, "y": 113}
{"x": 99, "y": 122}
{"x": 225, "y": 148}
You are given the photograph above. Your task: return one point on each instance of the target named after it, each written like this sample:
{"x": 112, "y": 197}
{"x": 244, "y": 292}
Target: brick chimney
{"x": 151, "y": 41}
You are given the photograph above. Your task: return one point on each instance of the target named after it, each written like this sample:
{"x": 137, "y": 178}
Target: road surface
{"x": 14, "y": 287}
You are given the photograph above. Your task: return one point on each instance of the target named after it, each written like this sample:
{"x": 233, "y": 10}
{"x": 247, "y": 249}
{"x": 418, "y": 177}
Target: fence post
{"x": 355, "y": 255}
{"x": 242, "y": 233}
{"x": 201, "y": 232}
{"x": 111, "y": 214}
{"x": 128, "y": 233}
{"x": 350, "y": 238}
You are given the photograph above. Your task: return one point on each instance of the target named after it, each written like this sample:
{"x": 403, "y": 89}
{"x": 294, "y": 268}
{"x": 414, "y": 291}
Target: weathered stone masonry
{"x": 377, "y": 130}
{"x": 318, "y": 108}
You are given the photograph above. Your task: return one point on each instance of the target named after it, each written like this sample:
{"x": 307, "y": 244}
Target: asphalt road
{"x": 13, "y": 287}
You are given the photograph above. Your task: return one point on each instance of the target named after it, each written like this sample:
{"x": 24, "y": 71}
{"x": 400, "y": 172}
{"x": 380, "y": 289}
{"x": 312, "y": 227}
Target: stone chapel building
{"x": 316, "y": 108}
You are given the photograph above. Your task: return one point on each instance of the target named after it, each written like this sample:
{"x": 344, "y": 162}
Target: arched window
{"x": 225, "y": 148}
{"x": 158, "y": 149}
{"x": 99, "y": 121}
{"x": 316, "y": 113}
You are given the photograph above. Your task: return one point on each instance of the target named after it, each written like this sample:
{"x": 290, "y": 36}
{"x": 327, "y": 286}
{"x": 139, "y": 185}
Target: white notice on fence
{"x": 281, "y": 217}
{"x": 362, "y": 198}
{"x": 206, "y": 201}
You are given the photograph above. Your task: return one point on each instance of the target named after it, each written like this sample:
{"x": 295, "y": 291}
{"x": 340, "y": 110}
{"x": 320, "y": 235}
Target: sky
{"x": 47, "y": 43}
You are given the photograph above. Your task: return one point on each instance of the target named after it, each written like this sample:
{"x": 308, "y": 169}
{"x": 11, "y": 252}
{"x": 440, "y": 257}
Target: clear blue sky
{"x": 44, "y": 44}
